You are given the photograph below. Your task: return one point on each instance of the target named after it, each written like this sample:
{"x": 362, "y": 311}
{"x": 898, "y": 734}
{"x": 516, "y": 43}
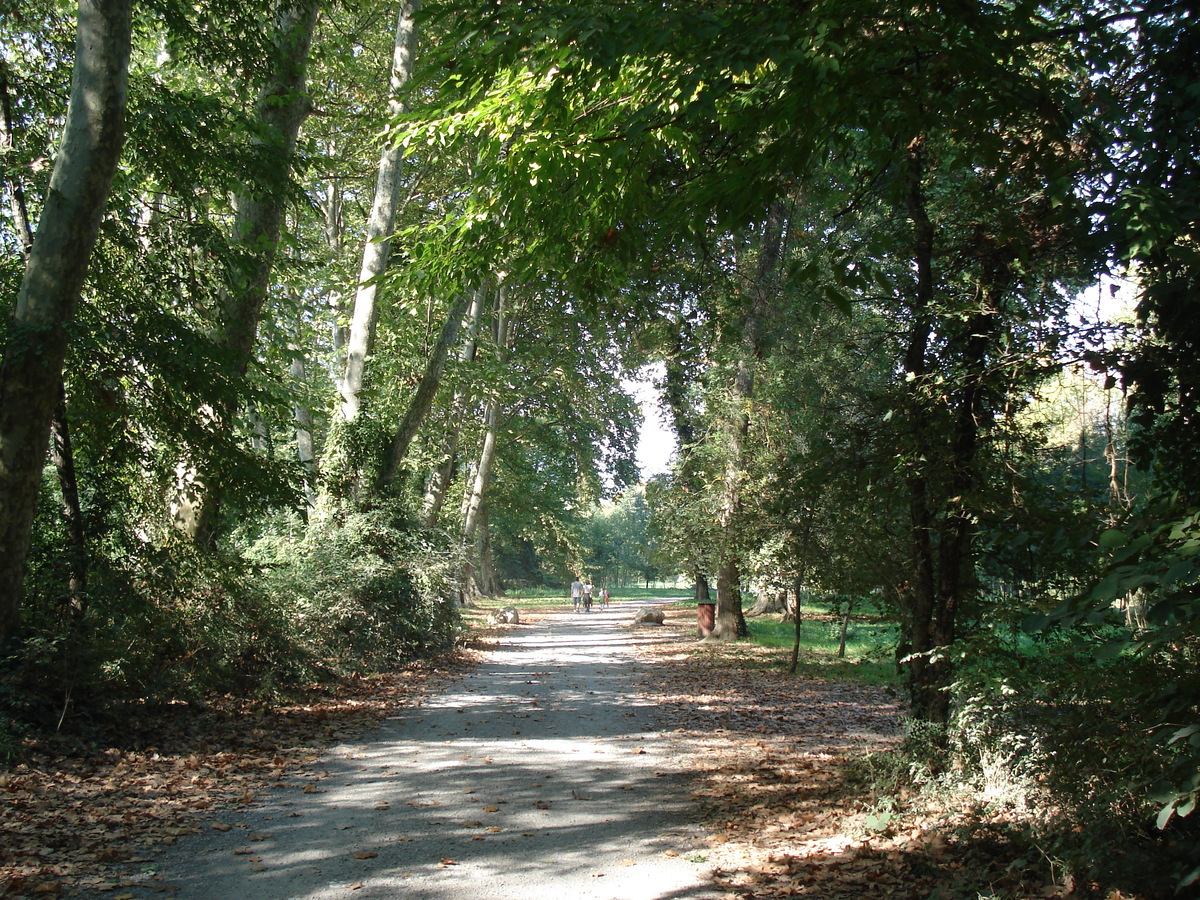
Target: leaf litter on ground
{"x": 768, "y": 752}
{"x": 87, "y": 815}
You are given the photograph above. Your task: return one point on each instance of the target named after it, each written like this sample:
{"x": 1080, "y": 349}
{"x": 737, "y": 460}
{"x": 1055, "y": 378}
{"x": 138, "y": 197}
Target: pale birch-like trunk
{"x": 31, "y": 373}
{"x": 282, "y": 107}
{"x": 475, "y": 504}
{"x": 302, "y": 418}
{"x": 61, "y": 453}
{"x": 380, "y": 226}
{"x": 487, "y": 453}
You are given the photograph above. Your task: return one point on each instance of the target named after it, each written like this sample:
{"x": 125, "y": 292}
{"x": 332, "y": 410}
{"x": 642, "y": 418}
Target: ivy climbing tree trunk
{"x": 61, "y": 450}
{"x": 942, "y": 525}
{"x": 282, "y": 107}
{"x": 922, "y": 678}
{"x": 31, "y": 372}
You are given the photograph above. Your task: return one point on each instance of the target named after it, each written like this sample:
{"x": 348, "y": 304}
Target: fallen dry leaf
{"x": 365, "y": 854}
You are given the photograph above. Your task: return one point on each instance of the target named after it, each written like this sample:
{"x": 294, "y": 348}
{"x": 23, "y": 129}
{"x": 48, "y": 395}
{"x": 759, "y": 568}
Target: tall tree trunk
{"x": 380, "y": 225}
{"x": 61, "y": 452}
{"x": 925, "y": 687}
{"x": 730, "y": 618}
{"x": 31, "y": 372}
{"x": 489, "y": 578}
{"x": 282, "y": 107}
{"x": 483, "y": 475}
{"x": 476, "y": 500}
{"x": 942, "y": 575}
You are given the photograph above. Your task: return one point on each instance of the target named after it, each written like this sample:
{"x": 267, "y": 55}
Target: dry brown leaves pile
{"x": 68, "y": 813}
{"x": 770, "y": 753}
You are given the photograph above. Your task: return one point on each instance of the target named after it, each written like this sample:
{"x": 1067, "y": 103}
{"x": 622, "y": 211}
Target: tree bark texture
{"x": 487, "y": 454}
{"x": 380, "y": 225}
{"x": 61, "y": 452}
{"x": 282, "y": 107}
{"x": 31, "y": 372}
{"x": 476, "y": 501}
{"x": 302, "y": 417}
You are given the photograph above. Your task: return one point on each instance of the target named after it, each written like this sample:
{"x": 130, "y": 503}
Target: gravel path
{"x": 540, "y": 774}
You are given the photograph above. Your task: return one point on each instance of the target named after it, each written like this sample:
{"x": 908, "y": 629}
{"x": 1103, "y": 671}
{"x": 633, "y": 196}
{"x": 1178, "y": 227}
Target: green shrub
{"x": 364, "y": 588}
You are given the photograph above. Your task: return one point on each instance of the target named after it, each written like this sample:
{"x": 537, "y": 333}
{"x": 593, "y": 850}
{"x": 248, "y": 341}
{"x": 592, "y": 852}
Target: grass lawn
{"x": 869, "y": 646}
{"x": 534, "y": 598}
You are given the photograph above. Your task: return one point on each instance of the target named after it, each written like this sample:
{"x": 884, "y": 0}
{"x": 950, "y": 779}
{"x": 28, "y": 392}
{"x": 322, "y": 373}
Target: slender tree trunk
{"x": 302, "y": 416}
{"x": 845, "y": 628}
{"x": 796, "y": 631}
{"x": 925, "y": 687}
{"x": 422, "y": 399}
{"x": 380, "y": 225}
{"x": 476, "y": 500}
{"x": 31, "y": 372}
{"x": 16, "y": 193}
{"x": 282, "y": 107}
{"x": 439, "y": 486}
{"x": 63, "y": 458}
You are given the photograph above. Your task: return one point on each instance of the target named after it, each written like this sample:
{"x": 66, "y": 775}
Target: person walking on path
{"x": 576, "y": 593}
{"x": 587, "y": 596}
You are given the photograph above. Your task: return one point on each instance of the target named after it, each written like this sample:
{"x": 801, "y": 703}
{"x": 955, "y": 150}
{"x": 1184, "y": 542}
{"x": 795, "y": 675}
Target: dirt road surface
{"x": 540, "y": 775}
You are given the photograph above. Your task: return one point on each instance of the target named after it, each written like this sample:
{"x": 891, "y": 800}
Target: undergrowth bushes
{"x": 365, "y": 589}
{"x": 1057, "y": 740}
{"x": 288, "y": 604}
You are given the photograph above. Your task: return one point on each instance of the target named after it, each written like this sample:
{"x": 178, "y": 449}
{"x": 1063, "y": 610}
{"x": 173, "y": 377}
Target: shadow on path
{"x": 540, "y": 774}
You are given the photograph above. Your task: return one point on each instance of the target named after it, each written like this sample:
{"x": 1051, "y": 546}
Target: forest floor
{"x": 734, "y": 784}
